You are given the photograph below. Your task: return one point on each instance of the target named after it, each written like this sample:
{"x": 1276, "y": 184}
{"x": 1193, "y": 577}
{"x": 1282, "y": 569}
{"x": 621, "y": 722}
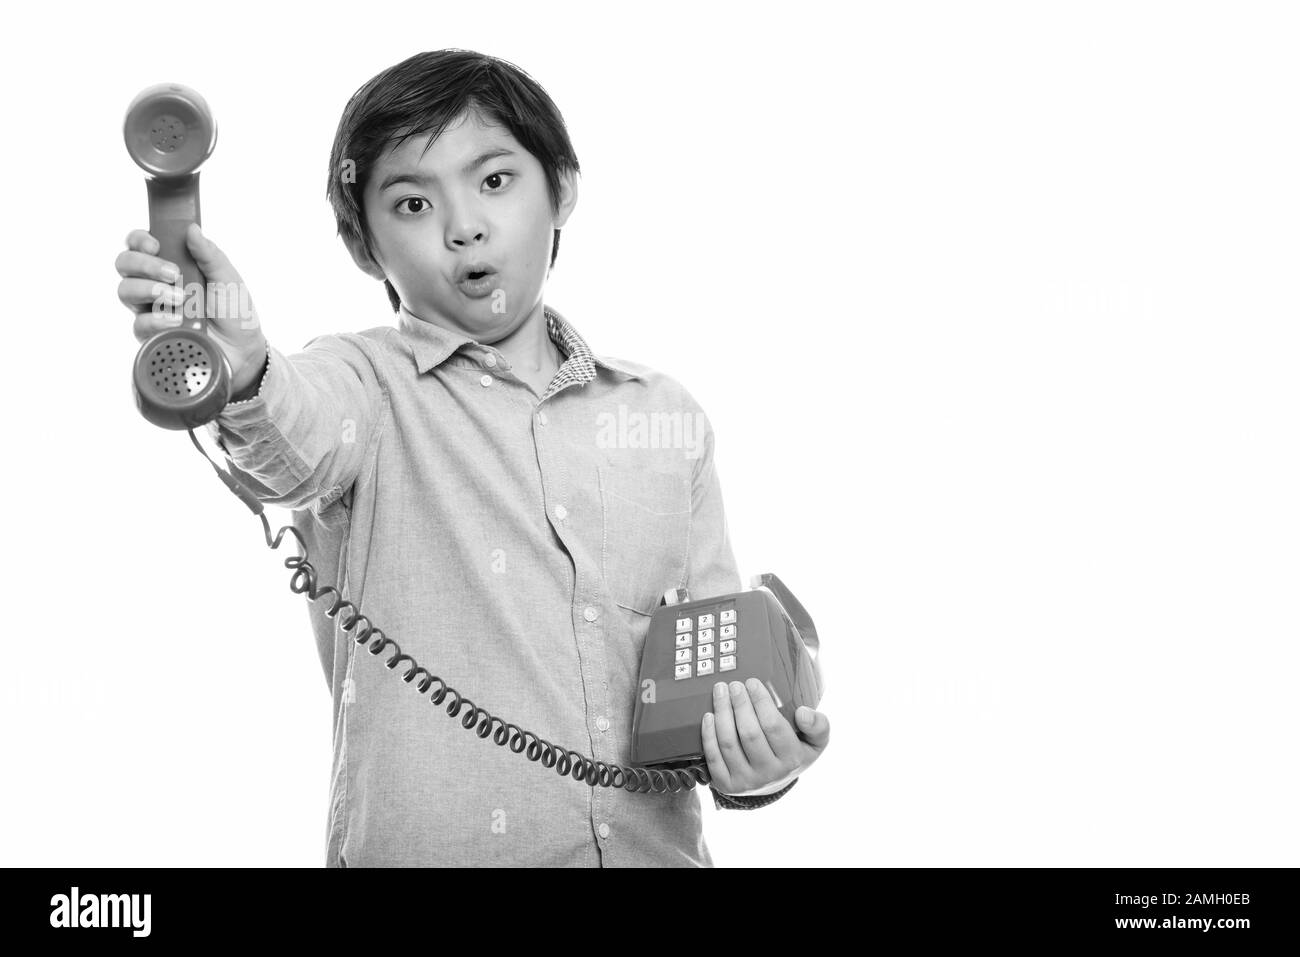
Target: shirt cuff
{"x": 738, "y": 802}
{"x": 257, "y": 393}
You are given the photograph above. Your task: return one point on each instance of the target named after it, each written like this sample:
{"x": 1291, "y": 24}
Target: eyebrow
{"x": 423, "y": 179}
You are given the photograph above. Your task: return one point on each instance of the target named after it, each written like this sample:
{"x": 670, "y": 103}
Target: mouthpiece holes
{"x": 180, "y": 368}
{"x": 167, "y": 133}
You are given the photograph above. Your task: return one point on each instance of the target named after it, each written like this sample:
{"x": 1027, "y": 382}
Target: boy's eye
{"x": 493, "y": 181}
{"x": 414, "y": 199}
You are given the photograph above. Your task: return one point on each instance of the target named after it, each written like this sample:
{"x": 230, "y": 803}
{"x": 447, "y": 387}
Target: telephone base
{"x": 690, "y": 646}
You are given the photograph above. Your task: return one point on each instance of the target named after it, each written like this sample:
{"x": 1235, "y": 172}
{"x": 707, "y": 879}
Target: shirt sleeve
{"x": 305, "y": 434}
{"x": 711, "y": 564}
{"x": 712, "y": 571}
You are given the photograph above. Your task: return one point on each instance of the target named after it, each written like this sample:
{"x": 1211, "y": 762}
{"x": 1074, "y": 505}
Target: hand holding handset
{"x": 183, "y": 378}
{"x": 183, "y": 374}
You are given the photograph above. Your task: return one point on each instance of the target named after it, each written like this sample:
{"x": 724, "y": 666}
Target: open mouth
{"x": 477, "y": 283}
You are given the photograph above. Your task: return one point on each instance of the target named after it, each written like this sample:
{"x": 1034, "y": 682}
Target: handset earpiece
{"x": 181, "y": 376}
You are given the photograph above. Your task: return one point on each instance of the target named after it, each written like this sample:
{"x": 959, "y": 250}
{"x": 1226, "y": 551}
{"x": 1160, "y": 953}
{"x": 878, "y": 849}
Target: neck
{"x": 529, "y": 348}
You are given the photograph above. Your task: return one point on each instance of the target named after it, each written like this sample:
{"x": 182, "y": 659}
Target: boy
{"x": 449, "y": 476}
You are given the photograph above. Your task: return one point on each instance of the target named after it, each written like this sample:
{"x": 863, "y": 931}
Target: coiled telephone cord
{"x": 566, "y": 761}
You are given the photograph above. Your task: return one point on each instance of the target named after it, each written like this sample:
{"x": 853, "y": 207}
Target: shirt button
{"x": 490, "y": 361}
{"x": 561, "y": 512}
{"x": 486, "y": 380}
{"x": 603, "y": 830}
{"x": 589, "y": 614}
{"x": 541, "y": 417}
{"x": 603, "y": 723}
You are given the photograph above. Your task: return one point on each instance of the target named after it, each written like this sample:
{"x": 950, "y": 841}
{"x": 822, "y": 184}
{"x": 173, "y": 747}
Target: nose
{"x": 465, "y": 227}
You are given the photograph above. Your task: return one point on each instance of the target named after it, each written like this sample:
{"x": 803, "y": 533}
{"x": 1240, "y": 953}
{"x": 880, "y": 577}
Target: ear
{"x": 362, "y": 258}
{"x": 568, "y": 197}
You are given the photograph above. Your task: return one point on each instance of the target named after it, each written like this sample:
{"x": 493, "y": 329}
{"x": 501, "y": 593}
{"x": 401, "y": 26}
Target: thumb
{"x": 210, "y": 259}
{"x": 814, "y": 726}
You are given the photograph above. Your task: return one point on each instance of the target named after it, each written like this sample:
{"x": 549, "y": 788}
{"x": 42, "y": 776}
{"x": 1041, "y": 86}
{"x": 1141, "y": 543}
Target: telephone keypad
{"x": 698, "y": 632}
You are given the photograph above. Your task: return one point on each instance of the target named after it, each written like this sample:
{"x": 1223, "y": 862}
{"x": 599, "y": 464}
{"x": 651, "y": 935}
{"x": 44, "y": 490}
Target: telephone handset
{"x": 182, "y": 379}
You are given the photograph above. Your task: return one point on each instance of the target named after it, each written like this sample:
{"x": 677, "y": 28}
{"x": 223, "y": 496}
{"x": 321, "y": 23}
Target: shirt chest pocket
{"x": 646, "y": 535}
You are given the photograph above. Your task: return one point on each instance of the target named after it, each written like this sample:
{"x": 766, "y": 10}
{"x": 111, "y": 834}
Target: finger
{"x": 141, "y": 294}
{"x": 156, "y": 306}
{"x": 780, "y": 736}
{"x": 814, "y": 726}
{"x": 143, "y": 241}
{"x": 149, "y": 324}
{"x": 757, "y": 751}
{"x": 725, "y": 724}
{"x": 140, "y": 265}
{"x": 209, "y": 257}
{"x": 721, "y": 777}
{"x": 227, "y": 301}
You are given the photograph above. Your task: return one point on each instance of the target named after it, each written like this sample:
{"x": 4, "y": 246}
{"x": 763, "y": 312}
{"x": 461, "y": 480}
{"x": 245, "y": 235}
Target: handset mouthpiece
{"x": 169, "y": 130}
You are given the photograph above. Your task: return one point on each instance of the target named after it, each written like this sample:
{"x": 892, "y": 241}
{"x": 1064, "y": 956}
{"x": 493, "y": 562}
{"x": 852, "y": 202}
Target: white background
{"x": 993, "y": 309}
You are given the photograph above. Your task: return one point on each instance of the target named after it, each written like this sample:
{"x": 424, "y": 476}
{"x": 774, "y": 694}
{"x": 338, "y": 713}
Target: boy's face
{"x": 432, "y": 217}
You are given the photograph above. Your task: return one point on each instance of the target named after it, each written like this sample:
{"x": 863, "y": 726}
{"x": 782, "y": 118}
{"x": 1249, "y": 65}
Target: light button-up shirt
{"x": 513, "y": 544}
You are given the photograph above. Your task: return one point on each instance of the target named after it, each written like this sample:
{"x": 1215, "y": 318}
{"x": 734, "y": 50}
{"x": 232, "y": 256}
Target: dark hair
{"x": 424, "y": 93}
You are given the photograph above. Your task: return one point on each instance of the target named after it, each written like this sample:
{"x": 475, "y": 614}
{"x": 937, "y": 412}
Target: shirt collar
{"x": 433, "y": 344}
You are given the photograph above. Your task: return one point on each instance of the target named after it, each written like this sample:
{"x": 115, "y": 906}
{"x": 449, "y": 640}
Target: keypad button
{"x": 728, "y": 616}
{"x": 683, "y": 654}
{"x": 706, "y": 621}
{"x": 706, "y": 634}
{"x": 683, "y": 624}
{"x": 703, "y": 668}
{"x": 704, "y": 651}
{"x": 727, "y": 648}
{"x": 684, "y": 641}
{"x": 682, "y": 671}
{"x": 727, "y": 663}
{"x": 727, "y": 631}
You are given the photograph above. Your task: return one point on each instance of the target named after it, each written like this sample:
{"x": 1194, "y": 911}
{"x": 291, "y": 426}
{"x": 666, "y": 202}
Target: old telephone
{"x": 764, "y": 633}
{"x": 182, "y": 379}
